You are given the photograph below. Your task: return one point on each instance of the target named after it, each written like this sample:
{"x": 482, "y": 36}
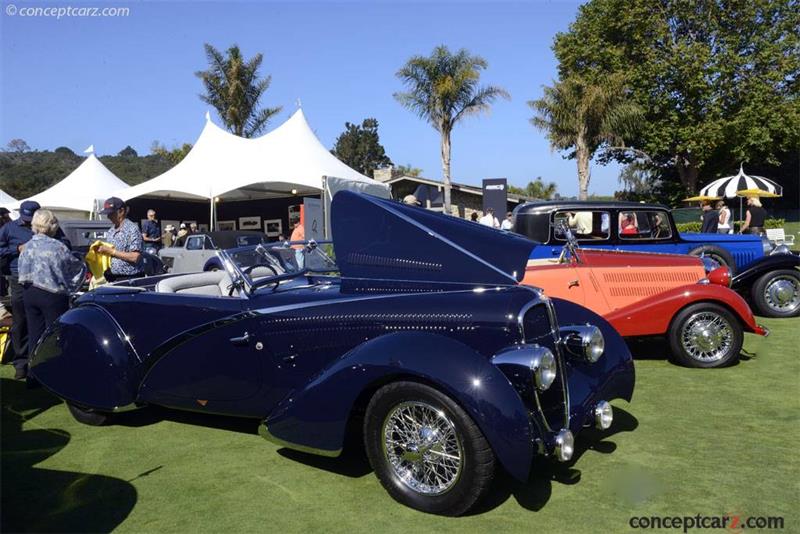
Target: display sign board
{"x": 312, "y": 215}
{"x": 495, "y": 195}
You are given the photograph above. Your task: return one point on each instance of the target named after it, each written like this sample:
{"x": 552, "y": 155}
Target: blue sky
{"x": 111, "y": 82}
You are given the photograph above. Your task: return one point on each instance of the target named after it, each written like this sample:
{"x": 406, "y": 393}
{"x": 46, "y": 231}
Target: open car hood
{"x": 381, "y": 239}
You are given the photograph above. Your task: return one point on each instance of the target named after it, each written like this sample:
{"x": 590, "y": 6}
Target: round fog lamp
{"x": 603, "y": 415}
{"x": 565, "y": 445}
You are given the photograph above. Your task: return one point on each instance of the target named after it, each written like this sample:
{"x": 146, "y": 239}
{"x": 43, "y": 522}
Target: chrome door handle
{"x": 241, "y": 341}
{"x": 573, "y": 283}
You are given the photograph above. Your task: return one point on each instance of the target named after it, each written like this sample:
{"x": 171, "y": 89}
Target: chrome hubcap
{"x": 422, "y": 447}
{"x": 707, "y": 336}
{"x": 782, "y": 294}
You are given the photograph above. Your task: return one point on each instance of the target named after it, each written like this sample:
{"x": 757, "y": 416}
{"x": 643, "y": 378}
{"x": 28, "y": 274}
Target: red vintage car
{"x": 684, "y": 298}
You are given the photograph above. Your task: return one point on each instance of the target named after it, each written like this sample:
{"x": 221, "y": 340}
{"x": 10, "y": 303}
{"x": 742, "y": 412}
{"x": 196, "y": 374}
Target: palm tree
{"x": 582, "y": 116}
{"x": 443, "y": 89}
{"x": 234, "y": 88}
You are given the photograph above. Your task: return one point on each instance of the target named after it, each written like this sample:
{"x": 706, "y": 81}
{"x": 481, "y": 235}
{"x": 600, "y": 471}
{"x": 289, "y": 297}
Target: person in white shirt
{"x": 507, "y": 224}
{"x": 581, "y": 222}
{"x": 489, "y": 219}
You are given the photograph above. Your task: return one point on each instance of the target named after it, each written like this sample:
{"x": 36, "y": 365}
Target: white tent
{"x": 82, "y": 189}
{"x": 288, "y": 160}
{"x": 5, "y": 198}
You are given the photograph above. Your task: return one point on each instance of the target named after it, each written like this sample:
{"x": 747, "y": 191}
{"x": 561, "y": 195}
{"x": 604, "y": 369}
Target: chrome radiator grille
{"x": 540, "y": 327}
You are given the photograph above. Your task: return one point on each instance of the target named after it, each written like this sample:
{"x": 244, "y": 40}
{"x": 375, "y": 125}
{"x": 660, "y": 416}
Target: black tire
{"x": 689, "y": 319}
{"x": 474, "y": 471}
{"x": 767, "y": 302}
{"x": 87, "y": 416}
{"x": 718, "y": 254}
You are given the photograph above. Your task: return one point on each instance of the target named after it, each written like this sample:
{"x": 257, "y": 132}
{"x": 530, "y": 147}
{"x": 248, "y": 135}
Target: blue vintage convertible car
{"x": 766, "y": 275}
{"x": 424, "y": 342}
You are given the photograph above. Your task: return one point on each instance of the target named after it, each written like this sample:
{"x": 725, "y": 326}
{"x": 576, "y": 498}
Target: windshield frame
{"x": 244, "y": 282}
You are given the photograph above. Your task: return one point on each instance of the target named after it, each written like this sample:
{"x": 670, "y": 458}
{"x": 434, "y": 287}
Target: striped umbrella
{"x": 728, "y": 187}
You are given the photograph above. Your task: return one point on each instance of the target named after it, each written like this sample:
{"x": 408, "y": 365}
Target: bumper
{"x": 761, "y": 330}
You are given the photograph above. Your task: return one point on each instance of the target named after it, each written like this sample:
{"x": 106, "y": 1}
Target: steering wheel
{"x": 250, "y": 269}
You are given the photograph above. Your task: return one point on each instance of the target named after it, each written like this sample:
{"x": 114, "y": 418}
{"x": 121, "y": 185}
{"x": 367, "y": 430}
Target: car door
{"x": 193, "y": 256}
{"x": 218, "y": 362}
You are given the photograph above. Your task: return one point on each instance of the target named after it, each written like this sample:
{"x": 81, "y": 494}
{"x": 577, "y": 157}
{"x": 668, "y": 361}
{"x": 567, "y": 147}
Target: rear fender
{"x": 653, "y": 317}
{"x": 314, "y": 418}
{"x": 86, "y": 359}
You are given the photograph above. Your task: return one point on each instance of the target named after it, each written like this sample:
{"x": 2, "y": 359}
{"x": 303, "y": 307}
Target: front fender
{"x": 315, "y": 417}
{"x": 611, "y": 377}
{"x": 653, "y": 317}
{"x": 761, "y": 266}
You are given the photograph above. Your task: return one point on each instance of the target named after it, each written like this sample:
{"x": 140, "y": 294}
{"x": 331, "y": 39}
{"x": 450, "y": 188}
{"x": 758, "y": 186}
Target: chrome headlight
{"x": 585, "y": 342}
{"x": 767, "y": 245}
{"x": 543, "y": 366}
{"x": 781, "y": 249}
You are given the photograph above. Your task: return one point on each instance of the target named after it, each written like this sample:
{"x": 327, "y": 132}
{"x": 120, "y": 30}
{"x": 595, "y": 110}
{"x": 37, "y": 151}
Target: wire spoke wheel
{"x": 707, "y": 336}
{"x": 782, "y": 294}
{"x": 422, "y": 446}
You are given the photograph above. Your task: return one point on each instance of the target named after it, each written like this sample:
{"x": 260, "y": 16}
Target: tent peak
{"x": 208, "y": 116}
{"x": 89, "y": 150}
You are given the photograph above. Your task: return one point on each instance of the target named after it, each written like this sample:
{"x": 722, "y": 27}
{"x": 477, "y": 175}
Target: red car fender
{"x": 653, "y": 317}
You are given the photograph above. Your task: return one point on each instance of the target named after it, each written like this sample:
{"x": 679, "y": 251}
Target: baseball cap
{"x": 183, "y": 226}
{"x": 411, "y": 199}
{"x": 111, "y": 205}
{"x": 27, "y": 209}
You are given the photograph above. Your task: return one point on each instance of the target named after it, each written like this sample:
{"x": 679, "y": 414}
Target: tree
{"x": 580, "y": 117}
{"x": 18, "y": 146}
{"x": 443, "y": 89}
{"x": 407, "y": 170}
{"x": 233, "y": 87}
{"x": 128, "y": 152}
{"x": 360, "y": 147}
{"x": 535, "y": 189}
{"x": 171, "y": 155}
{"x": 717, "y": 80}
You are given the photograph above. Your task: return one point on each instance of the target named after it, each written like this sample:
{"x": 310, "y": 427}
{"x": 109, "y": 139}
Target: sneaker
{"x": 21, "y": 374}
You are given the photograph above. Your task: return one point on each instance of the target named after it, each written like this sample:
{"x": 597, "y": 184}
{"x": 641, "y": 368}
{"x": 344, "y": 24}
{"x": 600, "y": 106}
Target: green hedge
{"x": 695, "y": 226}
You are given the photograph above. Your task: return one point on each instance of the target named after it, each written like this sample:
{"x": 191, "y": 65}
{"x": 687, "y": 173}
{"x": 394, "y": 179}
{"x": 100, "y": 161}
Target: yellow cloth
{"x": 3, "y": 340}
{"x": 98, "y": 263}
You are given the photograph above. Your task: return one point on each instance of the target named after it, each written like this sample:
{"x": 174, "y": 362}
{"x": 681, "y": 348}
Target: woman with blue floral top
{"x": 48, "y": 273}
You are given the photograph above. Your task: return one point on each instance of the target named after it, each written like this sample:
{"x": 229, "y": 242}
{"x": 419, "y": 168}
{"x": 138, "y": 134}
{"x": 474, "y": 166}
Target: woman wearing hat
{"x": 168, "y": 237}
{"x": 124, "y": 235}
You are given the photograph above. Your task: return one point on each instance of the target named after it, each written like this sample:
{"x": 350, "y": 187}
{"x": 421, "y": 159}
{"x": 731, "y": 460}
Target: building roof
{"x": 471, "y": 189}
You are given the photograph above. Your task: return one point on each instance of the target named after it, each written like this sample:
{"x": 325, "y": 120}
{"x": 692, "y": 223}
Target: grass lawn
{"x": 692, "y": 442}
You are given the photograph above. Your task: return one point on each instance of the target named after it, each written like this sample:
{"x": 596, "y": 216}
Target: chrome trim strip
{"x": 126, "y": 408}
{"x": 264, "y": 432}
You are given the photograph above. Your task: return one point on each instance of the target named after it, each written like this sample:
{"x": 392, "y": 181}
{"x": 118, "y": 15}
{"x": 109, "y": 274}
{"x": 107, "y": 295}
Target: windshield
{"x": 260, "y": 265}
